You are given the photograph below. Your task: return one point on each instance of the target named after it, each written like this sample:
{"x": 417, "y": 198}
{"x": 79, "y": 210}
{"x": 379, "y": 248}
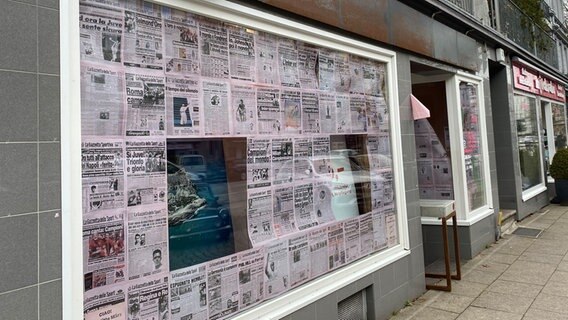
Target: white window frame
{"x": 549, "y": 121}
{"x": 541, "y": 187}
{"x": 71, "y": 153}
{"x": 456, "y": 143}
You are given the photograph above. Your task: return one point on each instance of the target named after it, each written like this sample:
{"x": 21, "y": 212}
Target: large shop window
{"x": 528, "y": 141}
{"x": 223, "y": 165}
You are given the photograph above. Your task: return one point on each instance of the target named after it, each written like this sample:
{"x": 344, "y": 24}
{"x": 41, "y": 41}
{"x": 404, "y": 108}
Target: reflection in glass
{"x": 472, "y": 145}
{"x": 559, "y": 125}
{"x": 528, "y": 141}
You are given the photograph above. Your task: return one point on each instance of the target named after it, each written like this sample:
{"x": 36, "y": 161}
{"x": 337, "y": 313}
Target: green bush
{"x": 559, "y": 166}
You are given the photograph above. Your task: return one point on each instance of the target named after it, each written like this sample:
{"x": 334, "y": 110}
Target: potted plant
{"x": 559, "y": 171}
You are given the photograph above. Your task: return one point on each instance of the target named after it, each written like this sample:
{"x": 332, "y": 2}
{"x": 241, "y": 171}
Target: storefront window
{"x": 472, "y": 145}
{"x": 528, "y": 140}
{"x": 223, "y": 166}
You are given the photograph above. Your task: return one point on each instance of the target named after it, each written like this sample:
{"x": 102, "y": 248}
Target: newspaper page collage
{"x": 150, "y": 74}
{"x": 434, "y": 167}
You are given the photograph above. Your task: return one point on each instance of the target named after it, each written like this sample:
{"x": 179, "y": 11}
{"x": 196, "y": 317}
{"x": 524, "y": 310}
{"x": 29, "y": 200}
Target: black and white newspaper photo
{"x": 357, "y": 84}
{"x": 321, "y": 158}
{"x": 442, "y": 172}
{"x": 102, "y": 100}
{"x": 288, "y": 59}
{"x": 425, "y": 174}
{"x": 307, "y": 66}
{"x": 371, "y": 77}
{"x": 304, "y": 206}
{"x": 147, "y": 241}
{"x": 374, "y": 116}
{"x": 259, "y": 216}
{"x": 107, "y": 301}
{"x": 181, "y": 46}
{"x": 213, "y": 44}
{"x": 303, "y": 167}
{"x": 342, "y": 72}
{"x": 104, "y": 251}
{"x": 366, "y": 234}
{"x": 310, "y": 112}
{"x": 378, "y": 151}
{"x": 102, "y": 165}
{"x": 317, "y": 239}
{"x": 386, "y": 176}
{"x": 343, "y": 113}
{"x": 282, "y": 160}
{"x": 327, "y": 105}
{"x": 223, "y": 287}
{"x": 143, "y": 41}
{"x": 188, "y": 293}
{"x": 352, "y": 240}
{"x": 383, "y": 115}
{"x": 268, "y": 111}
{"x": 379, "y": 231}
{"x": 183, "y": 106}
{"x": 100, "y": 33}
{"x": 392, "y": 231}
{"x": 299, "y": 259}
{"x": 216, "y": 108}
{"x": 259, "y": 158}
{"x": 148, "y": 298}
{"x": 326, "y": 69}
{"x": 358, "y": 110}
{"x": 283, "y": 202}
{"x": 377, "y": 190}
{"x": 145, "y": 172}
{"x": 251, "y": 277}
{"x": 291, "y": 111}
{"x": 143, "y": 6}
{"x": 336, "y": 245}
{"x": 242, "y": 64}
{"x": 323, "y": 195}
{"x": 267, "y": 59}
{"x": 145, "y": 104}
{"x": 243, "y": 109}
{"x": 276, "y": 268}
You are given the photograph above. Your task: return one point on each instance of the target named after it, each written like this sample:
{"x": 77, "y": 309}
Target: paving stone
{"x": 451, "y": 302}
{"x": 551, "y": 303}
{"x": 501, "y": 302}
{"x": 435, "y": 314}
{"x": 474, "y": 313}
{"x": 479, "y": 276}
{"x": 536, "y": 314}
{"x": 424, "y": 313}
{"x": 516, "y": 246}
{"x": 559, "y": 276}
{"x": 503, "y": 258}
{"x": 515, "y": 288}
{"x": 467, "y": 288}
{"x": 540, "y": 257}
{"x": 491, "y": 266}
{"x": 556, "y": 288}
{"x": 562, "y": 266}
{"x": 546, "y": 246}
{"x": 528, "y": 272}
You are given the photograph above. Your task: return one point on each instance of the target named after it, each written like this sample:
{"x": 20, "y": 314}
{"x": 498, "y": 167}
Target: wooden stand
{"x": 448, "y": 276}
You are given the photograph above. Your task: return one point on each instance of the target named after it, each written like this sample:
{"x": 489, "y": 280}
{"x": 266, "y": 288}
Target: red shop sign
{"x": 532, "y": 81}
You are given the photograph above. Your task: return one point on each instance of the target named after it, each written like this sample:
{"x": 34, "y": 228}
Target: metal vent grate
{"x": 528, "y": 232}
{"x": 353, "y": 307}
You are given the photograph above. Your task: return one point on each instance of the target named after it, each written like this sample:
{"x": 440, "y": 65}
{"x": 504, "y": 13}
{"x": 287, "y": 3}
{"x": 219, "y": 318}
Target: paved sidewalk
{"x": 516, "y": 278}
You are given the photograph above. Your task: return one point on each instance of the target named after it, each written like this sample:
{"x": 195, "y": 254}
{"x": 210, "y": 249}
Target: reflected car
{"x": 194, "y": 211}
